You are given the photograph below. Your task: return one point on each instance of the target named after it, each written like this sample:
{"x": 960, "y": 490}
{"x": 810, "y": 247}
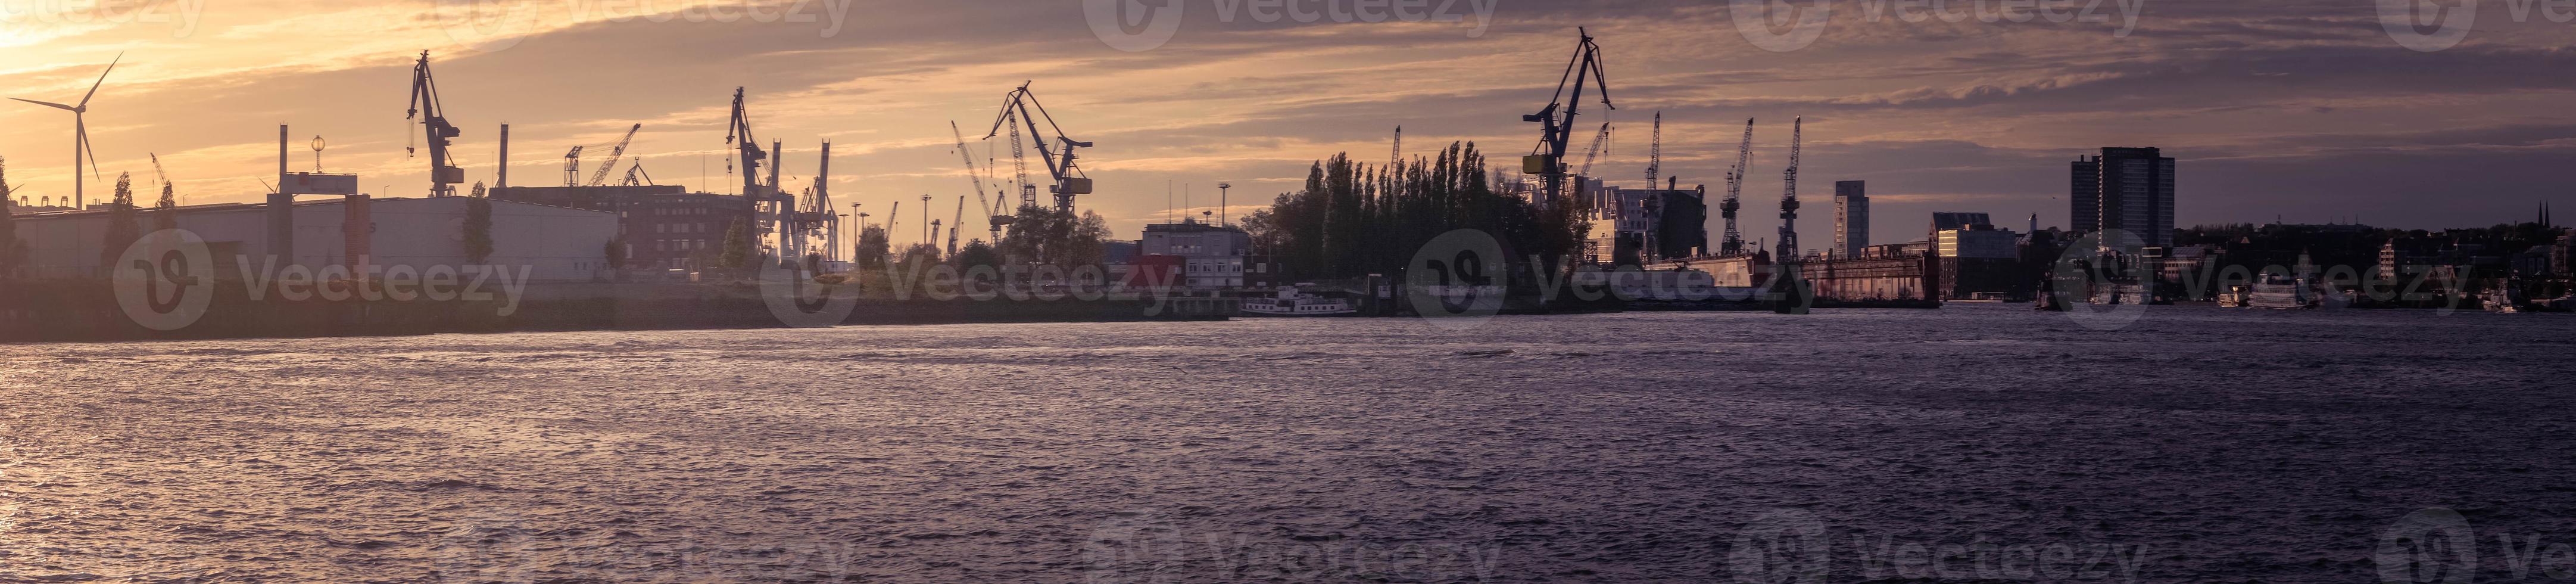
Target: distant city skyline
{"x": 2308, "y": 111}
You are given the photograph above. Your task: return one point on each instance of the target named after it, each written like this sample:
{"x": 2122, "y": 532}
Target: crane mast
{"x": 1733, "y": 244}
{"x": 1653, "y": 205}
{"x": 1599, "y": 142}
{"x": 614, "y": 154}
{"x": 1548, "y": 159}
{"x": 1788, "y": 253}
{"x": 444, "y": 175}
{"x": 1069, "y": 178}
{"x": 754, "y": 194}
{"x": 956, "y": 226}
{"x": 981, "y": 197}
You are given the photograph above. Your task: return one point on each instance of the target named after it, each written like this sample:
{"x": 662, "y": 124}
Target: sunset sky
{"x": 2310, "y": 110}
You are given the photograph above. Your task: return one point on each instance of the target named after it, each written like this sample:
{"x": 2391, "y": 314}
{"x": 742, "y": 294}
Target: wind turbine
{"x": 80, "y": 133}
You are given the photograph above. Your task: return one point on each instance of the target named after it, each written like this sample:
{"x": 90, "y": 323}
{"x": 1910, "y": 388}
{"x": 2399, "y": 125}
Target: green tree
{"x": 11, "y": 250}
{"x": 978, "y": 253}
{"x": 166, "y": 214}
{"x": 616, "y": 253}
{"x": 873, "y": 248}
{"x": 1353, "y": 219}
{"x": 478, "y": 226}
{"x": 737, "y": 248}
{"x": 123, "y": 228}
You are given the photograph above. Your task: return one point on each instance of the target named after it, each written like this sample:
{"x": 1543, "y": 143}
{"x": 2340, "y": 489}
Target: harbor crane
{"x": 1733, "y": 244}
{"x": 762, "y": 200}
{"x": 1600, "y": 144}
{"x": 444, "y": 175}
{"x": 981, "y": 197}
{"x": 1069, "y": 178}
{"x": 572, "y": 167}
{"x": 1653, "y": 205}
{"x": 1655, "y": 153}
{"x": 1548, "y": 159}
{"x": 1789, "y": 197}
{"x": 615, "y": 153}
{"x": 633, "y": 172}
{"x": 1396, "y": 160}
{"x": 956, "y": 226}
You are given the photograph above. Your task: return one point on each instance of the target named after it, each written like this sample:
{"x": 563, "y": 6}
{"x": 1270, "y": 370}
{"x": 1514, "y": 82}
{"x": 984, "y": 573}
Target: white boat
{"x": 1294, "y": 301}
{"x": 2279, "y": 292}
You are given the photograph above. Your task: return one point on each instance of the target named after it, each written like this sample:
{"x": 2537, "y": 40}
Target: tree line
{"x": 1353, "y": 219}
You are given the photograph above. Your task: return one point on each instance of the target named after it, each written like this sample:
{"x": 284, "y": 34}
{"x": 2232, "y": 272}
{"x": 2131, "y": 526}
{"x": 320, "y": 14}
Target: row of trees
{"x": 12, "y": 251}
{"x": 1354, "y": 219}
{"x": 1037, "y": 235}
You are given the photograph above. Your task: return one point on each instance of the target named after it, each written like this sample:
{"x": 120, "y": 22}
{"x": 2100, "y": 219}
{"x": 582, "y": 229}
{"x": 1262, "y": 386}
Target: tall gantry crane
{"x": 616, "y": 153}
{"x": 760, "y": 200}
{"x": 1548, "y": 159}
{"x": 1655, "y": 154}
{"x": 981, "y": 196}
{"x": 1733, "y": 245}
{"x": 1069, "y": 178}
{"x": 1653, "y": 205}
{"x": 444, "y": 175}
{"x": 1788, "y": 253}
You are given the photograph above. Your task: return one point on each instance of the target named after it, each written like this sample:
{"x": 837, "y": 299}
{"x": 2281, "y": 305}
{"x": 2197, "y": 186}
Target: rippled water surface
{"x": 1974, "y": 443}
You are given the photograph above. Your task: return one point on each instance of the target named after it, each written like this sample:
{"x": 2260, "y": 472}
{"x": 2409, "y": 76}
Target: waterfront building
{"x": 1851, "y": 217}
{"x": 1211, "y": 256}
{"x": 2130, "y": 189}
{"x": 555, "y": 243}
{"x": 662, "y": 226}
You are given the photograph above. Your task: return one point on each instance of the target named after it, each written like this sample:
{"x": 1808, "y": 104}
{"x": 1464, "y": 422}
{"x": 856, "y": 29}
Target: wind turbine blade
{"x": 48, "y": 103}
{"x": 102, "y": 78}
{"x": 81, "y": 132}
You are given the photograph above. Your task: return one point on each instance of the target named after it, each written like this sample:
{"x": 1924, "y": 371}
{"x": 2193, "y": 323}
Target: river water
{"x": 1973, "y": 443}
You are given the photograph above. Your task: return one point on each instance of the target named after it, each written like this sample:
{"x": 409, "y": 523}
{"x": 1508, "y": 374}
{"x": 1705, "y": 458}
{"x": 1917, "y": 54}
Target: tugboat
{"x": 1293, "y": 301}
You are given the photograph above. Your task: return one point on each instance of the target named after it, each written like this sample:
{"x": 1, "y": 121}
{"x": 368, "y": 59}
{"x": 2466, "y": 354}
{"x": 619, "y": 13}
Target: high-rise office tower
{"x": 2130, "y": 189}
{"x": 1851, "y": 217}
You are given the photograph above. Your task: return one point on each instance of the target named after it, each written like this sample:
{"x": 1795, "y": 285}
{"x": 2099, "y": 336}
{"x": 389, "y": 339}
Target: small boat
{"x": 2500, "y": 301}
{"x": 1294, "y": 301}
